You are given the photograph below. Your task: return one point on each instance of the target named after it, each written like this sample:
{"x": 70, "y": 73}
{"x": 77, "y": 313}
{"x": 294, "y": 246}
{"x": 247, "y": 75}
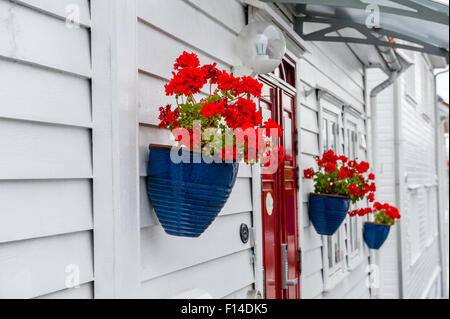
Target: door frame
{"x": 293, "y": 91}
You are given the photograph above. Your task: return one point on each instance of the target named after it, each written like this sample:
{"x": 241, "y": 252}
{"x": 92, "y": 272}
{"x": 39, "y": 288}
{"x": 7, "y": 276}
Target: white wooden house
{"x": 410, "y": 168}
{"x": 78, "y": 110}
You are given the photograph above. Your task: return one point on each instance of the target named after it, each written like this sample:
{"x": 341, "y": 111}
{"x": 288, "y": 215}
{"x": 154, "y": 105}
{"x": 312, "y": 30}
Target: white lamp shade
{"x": 261, "y": 47}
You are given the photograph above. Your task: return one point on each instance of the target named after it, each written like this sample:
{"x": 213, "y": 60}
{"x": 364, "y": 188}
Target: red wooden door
{"x": 279, "y": 200}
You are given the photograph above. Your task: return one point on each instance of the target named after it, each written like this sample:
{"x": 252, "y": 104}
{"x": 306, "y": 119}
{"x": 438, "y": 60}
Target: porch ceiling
{"x": 419, "y": 25}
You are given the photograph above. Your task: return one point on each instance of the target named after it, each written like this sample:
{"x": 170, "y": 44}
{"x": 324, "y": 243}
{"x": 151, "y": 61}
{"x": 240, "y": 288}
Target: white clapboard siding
{"x": 309, "y": 120}
{"x": 213, "y": 277}
{"x": 360, "y": 291}
{"x": 152, "y": 96}
{"x": 231, "y": 15}
{"x": 310, "y": 261}
{"x": 35, "y": 150}
{"x": 37, "y": 267}
{"x": 318, "y": 77}
{"x": 240, "y": 294}
{"x": 418, "y": 162}
{"x": 62, "y": 8}
{"x": 192, "y": 26}
{"x": 240, "y": 198}
{"x": 306, "y": 220}
{"x": 28, "y": 35}
{"x": 307, "y": 95}
{"x": 332, "y": 75}
{"x": 308, "y": 187}
{"x": 312, "y": 285}
{"x": 85, "y": 291}
{"x": 162, "y": 254}
{"x": 311, "y": 240}
{"x": 32, "y": 93}
{"x": 421, "y": 255}
{"x": 39, "y": 208}
{"x": 342, "y": 60}
{"x": 310, "y": 143}
{"x": 355, "y": 280}
{"x": 147, "y": 54}
{"x": 147, "y": 215}
{"x": 420, "y": 275}
{"x": 46, "y": 215}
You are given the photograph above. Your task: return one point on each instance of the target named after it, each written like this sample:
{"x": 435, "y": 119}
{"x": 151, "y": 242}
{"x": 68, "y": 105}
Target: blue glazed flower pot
{"x": 187, "y": 197}
{"x": 375, "y": 234}
{"x": 327, "y": 212}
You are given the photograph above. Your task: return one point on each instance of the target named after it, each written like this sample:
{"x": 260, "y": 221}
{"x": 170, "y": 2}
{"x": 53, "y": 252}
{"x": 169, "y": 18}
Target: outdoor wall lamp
{"x": 261, "y": 47}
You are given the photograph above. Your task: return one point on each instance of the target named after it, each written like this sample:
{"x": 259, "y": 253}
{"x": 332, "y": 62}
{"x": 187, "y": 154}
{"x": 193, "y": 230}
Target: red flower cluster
{"x": 337, "y": 175}
{"x": 390, "y": 211}
{"x": 242, "y": 114}
{"x": 187, "y": 81}
{"x": 309, "y": 173}
{"x": 229, "y": 103}
{"x": 213, "y": 109}
{"x": 273, "y": 157}
{"x": 168, "y": 117}
{"x": 272, "y": 125}
{"x": 361, "y": 212}
{"x": 248, "y": 85}
{"x": 384, "y": 213}
{"x": 187, "y": 60}
{"x": 238, "y": 86}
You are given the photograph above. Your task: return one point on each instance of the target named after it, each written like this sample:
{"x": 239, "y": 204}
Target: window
{"x": 363, "y": 143}
{"x": 333, "y": 246}
{"x": 352, "y": 225}
{"x": 427, "y": 90}
{"x": 286, "y": 72}
{"x": 340, "y": 131}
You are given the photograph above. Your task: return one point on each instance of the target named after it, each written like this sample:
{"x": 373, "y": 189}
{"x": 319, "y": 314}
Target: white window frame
{"x": 334, "y": 272}
{"x": 427, "y": 90}
{"x": 353, "y": 226}
{"x": 411, "y": 79}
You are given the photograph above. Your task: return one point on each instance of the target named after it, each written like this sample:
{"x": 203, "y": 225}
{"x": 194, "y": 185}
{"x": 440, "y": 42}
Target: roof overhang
{"x": 418, "y": 25}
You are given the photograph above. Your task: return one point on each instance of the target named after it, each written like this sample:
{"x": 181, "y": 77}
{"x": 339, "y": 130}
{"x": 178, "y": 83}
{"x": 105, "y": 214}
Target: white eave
{"x": 419, "y": 25}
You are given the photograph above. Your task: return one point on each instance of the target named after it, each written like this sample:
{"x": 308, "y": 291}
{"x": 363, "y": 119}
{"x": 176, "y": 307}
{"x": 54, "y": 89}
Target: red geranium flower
{"x": 353, "y": 189}
{"x": 362, "y": 167}
{"x": 248, "y": 85}
{"x": 168, "y": 117}
{"x": 187, "y": 81}
{"x": 309, "y": 173}
{"x": 229, "y": 106}
{"x": 271, "y": 124}
{"x": 212, "y": 109}
{"x": 187, "y": 60}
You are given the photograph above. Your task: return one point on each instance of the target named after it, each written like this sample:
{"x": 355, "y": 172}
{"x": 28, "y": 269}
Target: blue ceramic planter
{"x": 327, "y": 212}
{"x": 375, "y": 234}
{"x": 188, "y": 196}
